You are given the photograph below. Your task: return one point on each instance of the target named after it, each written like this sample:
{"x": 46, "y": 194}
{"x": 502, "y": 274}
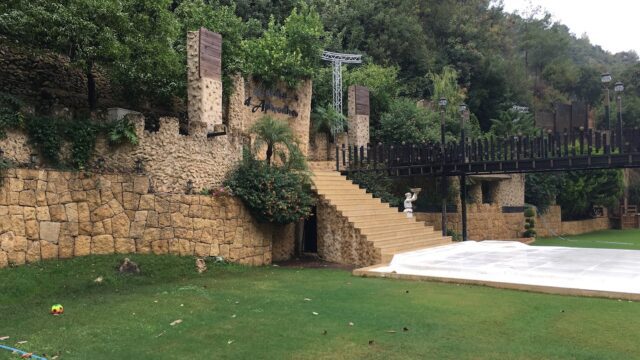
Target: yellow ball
{"x": 57, "y": 309}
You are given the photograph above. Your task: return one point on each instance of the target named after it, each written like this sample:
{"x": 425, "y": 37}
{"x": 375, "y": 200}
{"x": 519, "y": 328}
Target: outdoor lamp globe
{"x": 605, "y": 78}
{"x": 442, "y": 102}
{"x": 618, "y": 87}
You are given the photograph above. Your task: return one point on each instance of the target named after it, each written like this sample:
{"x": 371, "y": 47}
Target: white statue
{"x": 409, "y": 199}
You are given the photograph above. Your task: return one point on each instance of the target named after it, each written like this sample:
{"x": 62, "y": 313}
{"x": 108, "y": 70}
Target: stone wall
{"x": 358, "y": 116}
{"x": 340, "y": 242}
{"x": 550, "y": 224}
{"x": 484, "y": 222}
{"x": 50, "y": 215}
{"x": 319, "y": 147}
{"x": 169, "y": 158}
{"x": 250, "y": 101}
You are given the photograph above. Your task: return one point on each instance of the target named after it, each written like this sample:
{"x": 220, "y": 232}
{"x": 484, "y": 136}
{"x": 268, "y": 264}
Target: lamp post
{"x": 464, "y": 115}
{"x": 443, "y": 106}
{"x": 606, "y": 79}
{"x": 619, "y": 88}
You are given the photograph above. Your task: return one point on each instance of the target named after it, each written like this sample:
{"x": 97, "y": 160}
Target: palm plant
{"x": 325, "y": 119}
{"x": 277, "y": 136}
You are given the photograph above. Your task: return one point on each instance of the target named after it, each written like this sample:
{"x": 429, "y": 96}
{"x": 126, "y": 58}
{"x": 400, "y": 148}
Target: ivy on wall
{"x": 49, "y": 134}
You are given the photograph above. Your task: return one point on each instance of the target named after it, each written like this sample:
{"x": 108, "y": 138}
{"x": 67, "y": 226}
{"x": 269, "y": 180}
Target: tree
{"x": 512, "y": 123}
{"x": 277, "y": 136}
{"x": 88, "y": 32}
{"x": 289, "y": 52}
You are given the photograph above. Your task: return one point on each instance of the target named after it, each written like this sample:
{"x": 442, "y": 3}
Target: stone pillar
{"x": 204, "y": 68}
{"x": 358, "y": 115}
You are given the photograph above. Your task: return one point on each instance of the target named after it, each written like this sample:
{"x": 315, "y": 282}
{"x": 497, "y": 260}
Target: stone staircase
{"x": 389, "y": 231}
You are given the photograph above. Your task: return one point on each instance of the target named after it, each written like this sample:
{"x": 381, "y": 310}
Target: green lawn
{"x": 607, "y": 239}
{"x": 234, "y": 312}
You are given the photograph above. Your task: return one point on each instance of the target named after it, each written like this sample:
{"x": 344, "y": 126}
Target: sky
{"x": 612, "y": 24}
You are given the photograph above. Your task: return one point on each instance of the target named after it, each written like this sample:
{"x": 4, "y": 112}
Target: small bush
{"x": 272, "y": 194}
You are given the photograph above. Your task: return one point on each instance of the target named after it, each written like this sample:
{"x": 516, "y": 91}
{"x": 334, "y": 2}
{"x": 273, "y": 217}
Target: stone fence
{"x": 51, "y": 214}
{"x": 550, "y": 224}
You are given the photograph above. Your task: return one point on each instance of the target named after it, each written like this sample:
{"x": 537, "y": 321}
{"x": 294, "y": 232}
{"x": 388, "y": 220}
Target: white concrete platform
{"x": 507, "y": 264}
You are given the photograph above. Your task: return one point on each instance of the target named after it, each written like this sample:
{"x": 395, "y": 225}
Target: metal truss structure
{"x": 337, "y": 59}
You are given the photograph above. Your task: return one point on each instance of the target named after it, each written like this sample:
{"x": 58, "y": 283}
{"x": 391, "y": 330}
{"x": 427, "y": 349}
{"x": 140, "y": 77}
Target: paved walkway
{"x": 578, "y": 271}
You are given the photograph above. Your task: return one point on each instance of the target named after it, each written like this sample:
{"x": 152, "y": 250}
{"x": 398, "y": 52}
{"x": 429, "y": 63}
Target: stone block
{"x": 57, "y": 213}
{"x": 186, "y": 247}
{"x": 52, "y": 198}
{"x": 65, "y": 247}
{"x": 79, "y": 196}
{"x": 4, "y": 259}
{"x": 136, "y": 229}
{"x": 85, "y": 228}
{"x": 202, "y": 250}
{"x": 143, "y": 246}
{"x": 140, "y": 185}
{"x": 152, "y": 219}
{"x": 48, "y": 250}
{"x": 29, "y": 213}
{"x": 120, "y": 225}
{"x": 13, "y": 198}
{"x": 50, "y": 231}
{"x": 71, "y": 210}
{"x": 101, "y": 213}
{"x": 17, "y": 225}
{"x": 7, "y": 241}
{"x": 32, "y": 230}
{"x": 160, "y": 247}
{"x": 65, "y": 197}
{"x": 147, "y": 202}
{"x": 17, "y": 257}
{"x": 42, "y": 213}
{"x": 33, "y": 253}
{"x": 108, "y": 228}
{"x": 97, "y": 229}
{"x": 125, "y": 246}
{"x": 82, "y": 246}
{"x": 102, "y": 245}
{"x": 16, "y": 210}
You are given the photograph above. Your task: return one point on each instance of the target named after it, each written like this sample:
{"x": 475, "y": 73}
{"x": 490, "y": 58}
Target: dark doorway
{"x": 310, "y": 235}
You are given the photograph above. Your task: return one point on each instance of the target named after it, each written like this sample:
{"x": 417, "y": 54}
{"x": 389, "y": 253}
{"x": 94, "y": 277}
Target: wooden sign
{"x": 362, "y": 100}
{"x": 210, "y": 59}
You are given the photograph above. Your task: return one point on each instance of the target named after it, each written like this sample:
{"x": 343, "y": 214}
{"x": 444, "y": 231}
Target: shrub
{"x": 272, "y": 194}
{"x": 378, "y": 184}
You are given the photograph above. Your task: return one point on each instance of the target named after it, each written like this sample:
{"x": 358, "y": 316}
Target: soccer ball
{"x": 57, "y": 309}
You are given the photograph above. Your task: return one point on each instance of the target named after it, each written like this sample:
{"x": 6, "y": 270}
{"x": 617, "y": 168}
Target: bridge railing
{"x": 570, "y": 150}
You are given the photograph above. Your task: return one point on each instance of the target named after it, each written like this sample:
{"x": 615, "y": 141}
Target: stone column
{"x": 358, "y": 115}
{"x": 204, "y": 68}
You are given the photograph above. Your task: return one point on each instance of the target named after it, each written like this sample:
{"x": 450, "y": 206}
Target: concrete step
{"x": 371, "y": 223}
{"x": 406, "y": 239}
{"x": 364, "y": 206}
{"x": 384, "y": 232}
{"x": 372, "y": 211}
{"x": 389, "y": 238}
{"x": 374, "y": 228}
{"x": 446, "y": 240}
{"x": 356, "y": 202}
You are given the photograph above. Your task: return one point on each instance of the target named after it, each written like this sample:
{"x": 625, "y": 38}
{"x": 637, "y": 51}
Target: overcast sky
{"x": 612, "y": 24}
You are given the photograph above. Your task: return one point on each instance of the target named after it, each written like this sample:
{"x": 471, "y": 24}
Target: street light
{"x": 619, "y": 88}
{"x": 464, "y": 116}
{"x": 443, "y": 105}
{"x": 606, "y": 79}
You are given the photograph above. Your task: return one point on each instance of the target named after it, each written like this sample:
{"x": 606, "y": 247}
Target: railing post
{"x": 337, "y": 158}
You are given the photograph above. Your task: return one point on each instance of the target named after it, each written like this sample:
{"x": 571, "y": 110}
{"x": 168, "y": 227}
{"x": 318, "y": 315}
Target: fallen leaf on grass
{"x": 391, "y": 331}
{"x": 176, "y": 322}
{"x": 350, "y": 323}
{"x": 307, "y": 299}
{"x": 4, "y": 338}
{"x": 98, "y": 280}
{"x": 162, "y": 333}
{"x": 229, "y": 342}
{"x": 233, "y": 316}
{"x": 54, "y": 358}
{"x": 315, "y": 313}
{"x": 21, "y": 342}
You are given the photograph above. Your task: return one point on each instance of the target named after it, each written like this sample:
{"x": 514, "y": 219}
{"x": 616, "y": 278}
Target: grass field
{"x": 233, "y": 312}
{"x": 607, "y": 239}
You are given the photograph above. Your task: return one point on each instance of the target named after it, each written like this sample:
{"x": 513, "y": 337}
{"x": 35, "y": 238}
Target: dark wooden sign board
{"x": 362, "y": 100}
{"x": 210, "y": 59}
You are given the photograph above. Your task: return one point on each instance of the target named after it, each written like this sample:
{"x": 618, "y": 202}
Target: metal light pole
{"x": 606, "y": 79}
{"x": 464, "y": 114}
{"x": 443, "y": 105}
{"x": 619, "y": 88}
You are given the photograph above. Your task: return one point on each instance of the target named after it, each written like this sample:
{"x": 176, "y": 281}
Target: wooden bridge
{"x": 566, "y": 151}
